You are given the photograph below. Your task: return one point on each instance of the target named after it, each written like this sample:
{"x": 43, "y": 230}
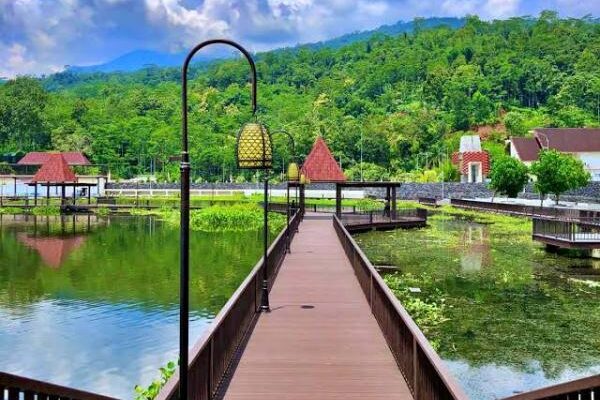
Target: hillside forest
{"x": 403, "y": 100}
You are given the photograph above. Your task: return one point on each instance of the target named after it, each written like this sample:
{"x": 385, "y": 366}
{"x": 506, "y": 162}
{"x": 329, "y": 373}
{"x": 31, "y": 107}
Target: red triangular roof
{"x": 55, "y": 170}
{"x": 320, "y": 166}
{"x": 40, "y": 158}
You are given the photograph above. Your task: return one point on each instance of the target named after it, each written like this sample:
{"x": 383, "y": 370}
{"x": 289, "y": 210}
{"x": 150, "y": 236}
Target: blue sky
{"x": 42, "y": 36}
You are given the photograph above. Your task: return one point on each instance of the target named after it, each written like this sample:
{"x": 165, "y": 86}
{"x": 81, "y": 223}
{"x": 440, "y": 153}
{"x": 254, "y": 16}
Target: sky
{"x": 42, "y": 36}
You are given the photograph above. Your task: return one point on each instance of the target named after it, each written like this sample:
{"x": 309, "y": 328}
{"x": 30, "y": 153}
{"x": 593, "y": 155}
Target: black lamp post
{"x": 292, "y": 175}
{"x": 265, "y": 162}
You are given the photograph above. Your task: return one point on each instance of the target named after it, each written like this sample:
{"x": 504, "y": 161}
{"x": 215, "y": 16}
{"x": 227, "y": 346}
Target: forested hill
{"x": 409, "y": 96}
{"x": 140, "y": 59}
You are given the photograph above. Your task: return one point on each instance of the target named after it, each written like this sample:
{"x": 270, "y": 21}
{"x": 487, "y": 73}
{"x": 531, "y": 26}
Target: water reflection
{"x": 93, "y": 302}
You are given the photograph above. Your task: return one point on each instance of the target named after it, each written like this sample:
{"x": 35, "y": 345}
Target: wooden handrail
{"x": 17, "y": 385}
{"x": 210, "y": 357}
{"x": 565, "y": 391}
{"x": 423, "y": 381}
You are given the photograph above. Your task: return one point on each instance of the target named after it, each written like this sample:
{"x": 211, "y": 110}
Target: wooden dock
{"x": 320, "y": 341}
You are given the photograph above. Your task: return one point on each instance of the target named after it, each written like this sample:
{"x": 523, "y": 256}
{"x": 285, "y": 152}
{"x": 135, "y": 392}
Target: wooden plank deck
{"x": 334, "y": 350}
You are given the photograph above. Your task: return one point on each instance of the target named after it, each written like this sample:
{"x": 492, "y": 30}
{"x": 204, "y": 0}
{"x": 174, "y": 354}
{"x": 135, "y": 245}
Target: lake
{"x": 93, "y": 302}
{"x": 505, "y": 315}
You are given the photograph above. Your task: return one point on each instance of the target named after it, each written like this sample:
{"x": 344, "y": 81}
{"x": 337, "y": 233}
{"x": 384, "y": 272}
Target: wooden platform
{"x": 320, "y": 341}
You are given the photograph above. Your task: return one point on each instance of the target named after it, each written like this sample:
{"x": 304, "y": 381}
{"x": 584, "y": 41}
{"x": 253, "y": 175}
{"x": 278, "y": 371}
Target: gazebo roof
{"x": 320, "y": 166}
{"x": 55, "y": 170}
{"x": 40, "y": 158}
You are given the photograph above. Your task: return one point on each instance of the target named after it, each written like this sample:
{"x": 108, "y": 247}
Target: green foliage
{"x": 557, "y": 173}
{"x": 11, "y": 210}
{"x": 102, "y": 211}
{"x": 398, "y": 101}
{"x": 46, "y": 210}
{"x": 370, "y": 172}
{"x": 6, "y": 169}
{"x": 152, "y": 390}
{"x": 235, "y": 218}
{"x": 369, "y": 205}
{"x": 508, "y": 176}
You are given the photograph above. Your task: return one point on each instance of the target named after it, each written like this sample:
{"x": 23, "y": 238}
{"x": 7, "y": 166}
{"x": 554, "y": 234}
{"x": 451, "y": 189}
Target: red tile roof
{"x": 55, "y": 170}
{"x": 39, "y": 158}
{"x": 569, "y": 140}
{"x": 528, "y": 149}
{"x": 320, "y": 166}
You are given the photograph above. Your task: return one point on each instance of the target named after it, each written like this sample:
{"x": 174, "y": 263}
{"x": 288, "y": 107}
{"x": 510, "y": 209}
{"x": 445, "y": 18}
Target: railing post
{"x": 211, "y": 368}
{"x": 415, "y": 367}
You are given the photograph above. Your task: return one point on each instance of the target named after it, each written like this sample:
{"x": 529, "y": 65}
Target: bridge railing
{"x": 581, "y": 389}
{"x": 424, "y": 371}
{"x": 212, "y": 356}
{"x": 13, "y": 387}
{"x": 515, "y": 209}
{"x": 571, "y": 230}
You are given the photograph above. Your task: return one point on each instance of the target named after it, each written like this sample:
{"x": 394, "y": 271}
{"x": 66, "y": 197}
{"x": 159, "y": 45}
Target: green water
{"x": 92, "y": 302}
{"x": 505, "y": 315}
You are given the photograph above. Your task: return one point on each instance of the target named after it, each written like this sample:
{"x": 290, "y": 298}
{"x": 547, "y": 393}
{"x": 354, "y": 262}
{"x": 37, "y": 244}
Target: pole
{"x": 184, "y": 258}
{"x": 361, "y": 156}
{"x": 287, "y": 199}
{"x": 264, "y": 302}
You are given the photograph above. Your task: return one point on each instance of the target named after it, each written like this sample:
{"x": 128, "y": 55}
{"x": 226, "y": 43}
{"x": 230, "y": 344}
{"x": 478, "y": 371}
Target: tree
{"x": 508, "y": 176}
{"x": 557, "y": 173}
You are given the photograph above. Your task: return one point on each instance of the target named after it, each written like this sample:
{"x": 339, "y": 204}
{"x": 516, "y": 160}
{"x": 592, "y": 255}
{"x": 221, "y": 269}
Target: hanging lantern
{"x": 293, "y": 173}
{"x": 253, "y": 148}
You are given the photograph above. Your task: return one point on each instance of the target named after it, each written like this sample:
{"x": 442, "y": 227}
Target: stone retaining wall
{"x": 408, "y": 191}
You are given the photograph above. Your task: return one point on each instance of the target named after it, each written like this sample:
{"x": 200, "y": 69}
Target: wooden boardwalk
{"x": 320, "y": 341}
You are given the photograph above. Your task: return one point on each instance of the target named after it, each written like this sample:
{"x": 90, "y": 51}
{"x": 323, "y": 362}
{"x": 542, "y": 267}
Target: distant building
{"x": 472, "y": 162}
{"x": 583, "y": 143}
{"x": 320, "y": 166}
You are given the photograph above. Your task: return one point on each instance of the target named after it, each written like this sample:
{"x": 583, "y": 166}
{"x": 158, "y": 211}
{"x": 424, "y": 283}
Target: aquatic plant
{"x": 151, "y": 391}
{"x": 46, "y": 210}
{"x": 102, "y": 211}
{"x": 11, "y": 210}
{"x": 236, "y": 218}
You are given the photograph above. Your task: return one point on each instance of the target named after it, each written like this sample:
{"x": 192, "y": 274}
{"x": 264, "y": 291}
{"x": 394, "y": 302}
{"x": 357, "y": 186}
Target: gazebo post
{"x": 89, "y": 193}
{"x": 74, "y": 195}
{"x": 62, "y": 195}
{"x": 35, "y": 192}
{"x": 15, "y": 186}
{"x": 394, "y": 213}
{"x": 338, "y": 200}
{"x": 47, "y": 193}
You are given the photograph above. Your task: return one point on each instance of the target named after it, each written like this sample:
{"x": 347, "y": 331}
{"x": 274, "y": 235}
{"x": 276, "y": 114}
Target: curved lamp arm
{"x": 292, "y": 141}
{"x": 184, "y": 295}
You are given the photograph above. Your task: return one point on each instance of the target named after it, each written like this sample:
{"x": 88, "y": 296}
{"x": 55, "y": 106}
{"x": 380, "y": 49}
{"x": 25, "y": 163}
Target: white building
{"x": 583, "y": 143}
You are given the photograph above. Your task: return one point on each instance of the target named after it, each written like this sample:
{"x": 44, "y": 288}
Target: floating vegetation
{"x": 241, "y": 217}
{"x": 491, "y": 297}
{"x": 46, "y": 210}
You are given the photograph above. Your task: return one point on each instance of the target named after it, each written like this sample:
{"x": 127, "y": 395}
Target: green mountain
{"x": 409, "y": 97}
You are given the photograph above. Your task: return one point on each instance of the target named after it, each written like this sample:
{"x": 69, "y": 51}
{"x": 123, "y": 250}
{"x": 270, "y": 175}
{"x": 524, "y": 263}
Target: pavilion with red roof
{"x": 320, "y": 166}
{"x": 55, "y": 171}
{"x": 40, "y": 158}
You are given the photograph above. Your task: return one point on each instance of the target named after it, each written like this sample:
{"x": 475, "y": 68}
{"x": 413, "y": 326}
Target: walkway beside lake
{"x": 320, "y": 341}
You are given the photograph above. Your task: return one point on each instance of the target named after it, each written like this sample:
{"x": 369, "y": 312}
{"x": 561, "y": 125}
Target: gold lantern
{"x": 304, "y": 179}
{"x": 293, "y": 173}
{"x": 253, "y": 148}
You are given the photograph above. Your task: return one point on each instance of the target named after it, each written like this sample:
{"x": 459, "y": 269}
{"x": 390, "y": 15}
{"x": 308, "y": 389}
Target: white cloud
{"x": 39, "y": 35}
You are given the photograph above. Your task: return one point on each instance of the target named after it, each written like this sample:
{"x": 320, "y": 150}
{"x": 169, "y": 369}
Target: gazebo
{"x": 56, "y": 172}
{"x": 320, "y": 166}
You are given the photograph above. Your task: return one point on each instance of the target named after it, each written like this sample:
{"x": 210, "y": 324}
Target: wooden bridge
{"x": 570, "y": 233}
{"x": 335, "y": 331}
